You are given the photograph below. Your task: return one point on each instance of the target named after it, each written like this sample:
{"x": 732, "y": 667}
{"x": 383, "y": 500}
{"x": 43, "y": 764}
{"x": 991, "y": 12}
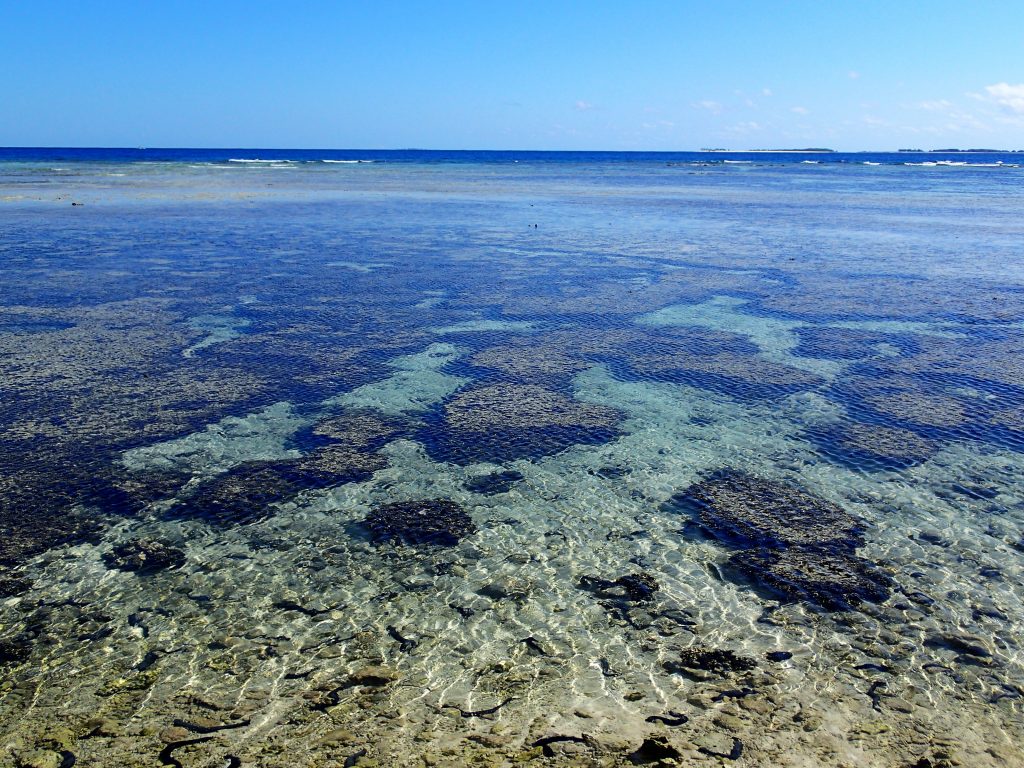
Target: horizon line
{"x": 703, "y": 150}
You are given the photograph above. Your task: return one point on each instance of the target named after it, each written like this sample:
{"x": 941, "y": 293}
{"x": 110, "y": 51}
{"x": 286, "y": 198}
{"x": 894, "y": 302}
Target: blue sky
{"x": 513, "y": 75}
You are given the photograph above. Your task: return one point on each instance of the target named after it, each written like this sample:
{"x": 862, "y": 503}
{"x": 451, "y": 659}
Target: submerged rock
{"x": 521, "y": 406}
{"x": 716, "y": 660}
{"x": 920, "y": 408}
{"x": 144, "y": 556}
{"x": 494, "y": 483}
{"x": 356, "y": 429}
{"x": 634, "y": 587}
{"x": 240, "y": 496}
{"x": 866, "y": 444}
{"x": 793, "y": 542}
{"x": 428, "y": 521}
{"x": 11, "y": 586}
{"x": 501, "y": 422}
{"x": 833, "y": 579}
{"x": 372, "y": 676}
{"x": 744, "y": 510}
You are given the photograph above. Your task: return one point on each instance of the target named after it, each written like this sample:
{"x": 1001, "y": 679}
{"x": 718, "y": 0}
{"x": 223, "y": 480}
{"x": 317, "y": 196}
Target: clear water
{"x": 246, "y": 366}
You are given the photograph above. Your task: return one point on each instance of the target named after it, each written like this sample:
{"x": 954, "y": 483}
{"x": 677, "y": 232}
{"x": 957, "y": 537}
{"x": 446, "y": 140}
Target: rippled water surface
{"x": 591, "y": 462}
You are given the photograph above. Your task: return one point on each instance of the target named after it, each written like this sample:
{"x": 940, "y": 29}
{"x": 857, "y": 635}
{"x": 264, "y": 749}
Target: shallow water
{"x": 611, "y": 387}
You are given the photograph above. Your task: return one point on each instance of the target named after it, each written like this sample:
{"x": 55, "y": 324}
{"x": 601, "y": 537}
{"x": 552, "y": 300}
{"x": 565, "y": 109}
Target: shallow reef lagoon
{"x": 442, "y": 459}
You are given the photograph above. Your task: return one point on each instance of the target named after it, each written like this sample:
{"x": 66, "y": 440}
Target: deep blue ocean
{"x": 185, "y": 155}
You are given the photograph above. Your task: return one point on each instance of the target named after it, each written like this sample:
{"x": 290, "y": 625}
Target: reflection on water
{"x": 365, "y": 466}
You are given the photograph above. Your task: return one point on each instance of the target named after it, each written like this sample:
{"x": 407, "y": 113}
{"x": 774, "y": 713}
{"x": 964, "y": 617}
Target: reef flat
{"x": 551, "y": 464}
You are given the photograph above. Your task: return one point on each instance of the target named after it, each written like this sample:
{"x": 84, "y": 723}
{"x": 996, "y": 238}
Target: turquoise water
{"x": 434, "y": 461}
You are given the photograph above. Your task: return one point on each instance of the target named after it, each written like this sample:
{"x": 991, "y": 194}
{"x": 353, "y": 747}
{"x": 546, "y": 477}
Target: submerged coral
{"x": 356, "y": 429}
{"x": 530, "y": 362}
{"x": 834, "y": 580}
{"x": 521, "y": 406}
{"x": 144, "y": 556}
{"x": 792, "y": 542}
{"x": 920, "y": 408}
{"x": 716, "y": 660}
{"x": 238, "y": 497}
{"x": 428, "y": 521}
{"x": 634, "y": 587}
{"x": 745, "y": 510}
{"x": 874, "y": 444}
{"x": 494, "y": 483}
{"x": 334, "y": 464}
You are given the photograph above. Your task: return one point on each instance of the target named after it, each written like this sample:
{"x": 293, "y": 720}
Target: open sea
{"x": 323, "y": 458}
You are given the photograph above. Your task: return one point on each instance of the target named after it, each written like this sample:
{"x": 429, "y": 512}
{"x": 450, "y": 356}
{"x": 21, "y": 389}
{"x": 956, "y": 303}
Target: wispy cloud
{"x": 800, "y": 110}
{"x": 766, "y": 91}
{"x": 939, "y": 105}
{"x": 853, "y": 75}
{"x": 713, "y": 107}
{"x": 583, "y": 106}
{"x": 743, "y": 128}
{"x": 1009, "y": 97}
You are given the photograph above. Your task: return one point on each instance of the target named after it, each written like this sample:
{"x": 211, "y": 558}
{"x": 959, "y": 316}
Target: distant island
{"x": 805, "y": 149}
{"x": 948, "y": 150}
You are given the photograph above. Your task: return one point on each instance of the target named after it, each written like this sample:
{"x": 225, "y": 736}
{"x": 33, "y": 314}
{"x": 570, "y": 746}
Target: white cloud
{"x": 583, "y": 106}
{"x": 853, "y": 75}
{"x": 1010, "y": 97}
{"x": 766, "y": 91}
{"x": 711, "y": 106}
{"x": 940, "y": 105}
{"x": 800, "y": 110}
{"x": 742, "y": 128}
{"x": 659, "y": 124}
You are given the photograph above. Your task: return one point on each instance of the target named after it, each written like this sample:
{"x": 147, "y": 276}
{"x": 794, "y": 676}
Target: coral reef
{"x": 494, "y": 483}
{"x": 425, "y": 522}
{"x": 717, "y": 660}
{"x": 920, "y": 408}
{"x": 238, "y": 497}
{"x": 144, "y": 556}
{"x": 749, "y": 511}
{"x": 522, "y": 406}
{"x": 871, "y": 444}
{"x": 791, "y": 542}
{"x": 832, "y": 579}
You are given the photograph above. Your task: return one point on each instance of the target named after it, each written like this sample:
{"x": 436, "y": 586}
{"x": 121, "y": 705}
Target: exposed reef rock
{"x": 791, "y": 542}
{"x": 426, "y": 522}
{"x": 747, "y": 511}
{"x": 144, "y": 556}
